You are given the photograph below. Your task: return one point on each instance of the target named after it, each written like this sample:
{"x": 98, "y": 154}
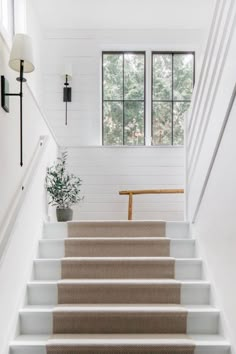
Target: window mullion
{"x": 172, "y": 103}
{"x": 148, "y": 99}
{"x": 123, "y": 98}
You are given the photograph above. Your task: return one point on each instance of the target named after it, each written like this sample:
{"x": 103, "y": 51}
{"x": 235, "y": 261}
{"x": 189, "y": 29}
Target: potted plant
{"x": 63, "y": 188}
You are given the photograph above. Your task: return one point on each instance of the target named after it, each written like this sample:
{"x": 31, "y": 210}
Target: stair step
{"x": 173, "y": 229}
{"x": 39, "y": 320}
{"x": 185, "y": 269}
{"x": 117, "y": 282}
{"x": 117, "y": 247}
{"x": 45, "y": 293}
{"x": 204, "y": 344}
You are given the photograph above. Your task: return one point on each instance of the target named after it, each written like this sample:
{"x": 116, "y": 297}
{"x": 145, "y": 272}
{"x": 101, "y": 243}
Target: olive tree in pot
{"x": 63, "y": 188}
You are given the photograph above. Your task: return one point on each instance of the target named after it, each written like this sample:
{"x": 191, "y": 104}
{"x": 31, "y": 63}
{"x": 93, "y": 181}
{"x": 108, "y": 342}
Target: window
{"x": 123, "y": 98}
{"x": 171, "y": 77}
{"x": 20, "y": 16}
{"x": 172, "y": 86}
{"x": 7, "y": 19}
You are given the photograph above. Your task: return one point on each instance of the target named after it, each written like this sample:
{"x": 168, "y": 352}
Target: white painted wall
{"x": 211, "y": 99}
{"x": 215, "y": 226}
{"x": 34, "y": 126}
{"x": 16, "y": 264}
{"x": 215, "y": 229}
{"x": 83, "y": 48}
{"x": 107, "y": 170}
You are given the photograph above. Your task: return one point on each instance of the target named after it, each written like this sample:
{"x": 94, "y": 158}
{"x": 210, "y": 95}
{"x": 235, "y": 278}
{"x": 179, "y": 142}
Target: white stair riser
{"x": 55, "y": 249}
{"x": 214, "y": 349}
{"x": 51, "y": 269}
{"x": 46, "y": 294}
{"x": 173, "y": 230}
{"x": 28, "y": 349}
{"x": 32, "y": 349}
{"x": 40, "y": 322}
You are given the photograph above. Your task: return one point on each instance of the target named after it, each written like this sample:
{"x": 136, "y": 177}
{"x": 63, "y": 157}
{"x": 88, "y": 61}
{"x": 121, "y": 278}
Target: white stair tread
{"x": 120, "y": 281}
{"x": 47, "y": 240}
{"x": 191, "y": 260}
{"x": 121, "y": 307}
{"x": 199, "y": 340}
{"x": 118, "y": 258}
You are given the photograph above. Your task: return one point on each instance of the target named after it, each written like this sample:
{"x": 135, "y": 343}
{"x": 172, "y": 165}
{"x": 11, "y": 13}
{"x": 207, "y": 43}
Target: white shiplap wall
{"x": 82, "y": 49}
{"x": 107, "y": 170}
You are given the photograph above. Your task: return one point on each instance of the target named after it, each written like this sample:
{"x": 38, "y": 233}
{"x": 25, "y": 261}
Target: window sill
{"x": 125, "y": 146}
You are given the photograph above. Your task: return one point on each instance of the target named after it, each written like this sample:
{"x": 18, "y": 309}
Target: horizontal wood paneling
{"x": 82, "y": 49}
{"x": 105, "y": 171}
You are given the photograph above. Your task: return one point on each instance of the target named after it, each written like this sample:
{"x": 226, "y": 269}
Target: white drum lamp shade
{"x": 22, "y": 50}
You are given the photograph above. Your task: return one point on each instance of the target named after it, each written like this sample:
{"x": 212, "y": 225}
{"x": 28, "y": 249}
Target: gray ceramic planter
{"x": 64, "y": 214}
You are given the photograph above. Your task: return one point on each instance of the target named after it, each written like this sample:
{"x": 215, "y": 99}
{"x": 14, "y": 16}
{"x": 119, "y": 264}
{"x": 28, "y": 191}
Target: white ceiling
{"x": 125, "y": 14}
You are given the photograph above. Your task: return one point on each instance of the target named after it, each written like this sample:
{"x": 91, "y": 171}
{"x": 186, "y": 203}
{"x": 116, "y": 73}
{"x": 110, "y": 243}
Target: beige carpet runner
{"x": 118, "y": 279}
{"x": 117, "y": 229}
{"x": 117, "y": 247}
{"x": 120, "y": 321}
{"x": 119, "y": 292}
{"x": 121, "y": 268}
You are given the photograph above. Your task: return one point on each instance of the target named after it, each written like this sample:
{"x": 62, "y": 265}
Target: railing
{"x": 130, "y": 193}
{"x": 213, "y": 74}
{"x": 226, "y": 119}
{"x": 200, "y": 118}
{"x": 18, "y": 199}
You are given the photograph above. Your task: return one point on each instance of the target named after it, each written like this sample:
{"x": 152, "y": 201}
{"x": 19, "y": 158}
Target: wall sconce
{"x": 67, "y": 91}
{"x": 21, "y": 60}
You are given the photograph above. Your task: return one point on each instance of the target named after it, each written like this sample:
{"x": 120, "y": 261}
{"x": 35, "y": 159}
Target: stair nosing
{"x": 199, "y": 340}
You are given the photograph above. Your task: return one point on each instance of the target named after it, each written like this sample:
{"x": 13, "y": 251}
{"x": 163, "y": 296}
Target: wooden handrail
{"x": 130, "y": 193}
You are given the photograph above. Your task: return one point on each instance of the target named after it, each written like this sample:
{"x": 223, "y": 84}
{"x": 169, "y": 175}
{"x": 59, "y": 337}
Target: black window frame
{"x": 143, "y": 52}
{"x": 172, "y": 101}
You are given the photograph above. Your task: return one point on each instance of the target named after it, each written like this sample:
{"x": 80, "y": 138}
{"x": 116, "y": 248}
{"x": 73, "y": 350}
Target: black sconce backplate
{"x": 4, "y": 90}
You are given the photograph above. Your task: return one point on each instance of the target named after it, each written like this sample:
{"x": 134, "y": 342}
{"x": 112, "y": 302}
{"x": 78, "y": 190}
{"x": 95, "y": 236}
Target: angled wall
{"x": 18, "y": 247}
{"x": 211, "y": 169}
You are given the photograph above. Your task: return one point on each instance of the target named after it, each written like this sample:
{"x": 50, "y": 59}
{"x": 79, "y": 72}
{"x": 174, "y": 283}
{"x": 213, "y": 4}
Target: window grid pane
{"x": 123, "y": 91}
{"x": 162, "y": 77}
{"x": 113, "y": 123}
{"x": 134, "y": 123}
{"x": 123, "y": 87}
{"x": 162, "y": 123}
{"x": 168, "y": 129}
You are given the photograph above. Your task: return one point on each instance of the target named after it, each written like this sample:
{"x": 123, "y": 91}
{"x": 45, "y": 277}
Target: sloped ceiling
{"x": 125, "y": 14}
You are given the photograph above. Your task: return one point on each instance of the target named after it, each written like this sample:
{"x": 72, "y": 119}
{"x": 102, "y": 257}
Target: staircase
{"x": 118, "y": 287}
